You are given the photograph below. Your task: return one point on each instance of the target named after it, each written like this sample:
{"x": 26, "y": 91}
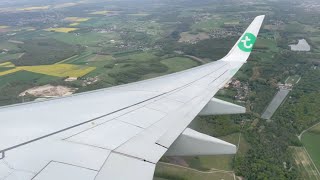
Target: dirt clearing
{"x": 49, "y": 91}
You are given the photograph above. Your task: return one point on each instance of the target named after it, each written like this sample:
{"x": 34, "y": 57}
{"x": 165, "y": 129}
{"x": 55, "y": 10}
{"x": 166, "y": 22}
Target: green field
{"x": 293, "y": 79}
{"x": 305, "y": 166}
{"x": 24, "y": 77}
{"x": 8, "y": 45}
{"x": 7, "y": 57}
{"x": 207, "y": 25}
{"x": 311, "y": 141}
{"x": 178, "y": 64}
{"x": 170, "y": 172}
{"x": 90, "y": 38}
{"x": 266, "y": 44}
{"x": 13, "y": 84}
{"x": 219, "y": 162}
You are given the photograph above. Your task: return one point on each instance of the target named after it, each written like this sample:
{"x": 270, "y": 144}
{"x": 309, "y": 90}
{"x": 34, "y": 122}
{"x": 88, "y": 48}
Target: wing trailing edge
{"x": 193, "y": 143}
{"x": 218, "y": 107}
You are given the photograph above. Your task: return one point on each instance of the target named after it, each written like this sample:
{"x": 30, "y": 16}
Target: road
{"x": 300, "y": 135}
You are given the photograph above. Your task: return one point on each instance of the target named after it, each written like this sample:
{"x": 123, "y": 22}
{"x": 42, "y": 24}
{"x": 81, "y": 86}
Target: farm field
{"x": 89, "y": 39}
{"x": 220, "y": 162}
{"x": 293, "y": 79}
{"x": 76, "y": 19}
{"x": 34, "y": 8}
{"x": 306, "y": 168}
{"x": 207, "y": 25}
{"x": 61, "y": 29}
{"x": 224, "y": 162}
{"x": 174, "y": 172}
{"x": 310, "y": 140}
{"x": 266, "y": 43}
{"x": 58, "y": 70}
{"x": 100, "y": 12}
{"x": 178, "y": 64}
{"x": 7, "y": 64}
{"x": 24, "y": 77}
{"x": 74, "y": 24}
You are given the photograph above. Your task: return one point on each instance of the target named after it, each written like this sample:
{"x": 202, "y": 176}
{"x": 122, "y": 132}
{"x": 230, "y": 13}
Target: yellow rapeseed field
{"x": 7, "y": 64}
{"x": 58, "y": 70}
{"x": 74, "y": 24}
{"x": 62, "y": 29}
{"x": 64, "y": 5}
{"x": 76, "y": 19}
{"x": 9, "y": 71}
{"x": 100, "y": 12}
{"x": 34, "y": 8}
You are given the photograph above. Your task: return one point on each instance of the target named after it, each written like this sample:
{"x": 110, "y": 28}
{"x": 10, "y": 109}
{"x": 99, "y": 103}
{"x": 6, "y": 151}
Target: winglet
{"x": 242, "y": 49}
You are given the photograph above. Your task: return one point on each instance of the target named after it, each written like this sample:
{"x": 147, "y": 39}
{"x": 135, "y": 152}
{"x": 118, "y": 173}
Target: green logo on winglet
{"x": 247, "y": 42}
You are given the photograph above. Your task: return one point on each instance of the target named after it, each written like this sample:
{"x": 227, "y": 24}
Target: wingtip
{"x": 260, "y": 17}
{"x": 241, "y": 55}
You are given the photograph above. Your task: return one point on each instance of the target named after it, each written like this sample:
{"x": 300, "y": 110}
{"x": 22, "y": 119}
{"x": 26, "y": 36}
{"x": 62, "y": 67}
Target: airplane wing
{"x": 119, "y": 133}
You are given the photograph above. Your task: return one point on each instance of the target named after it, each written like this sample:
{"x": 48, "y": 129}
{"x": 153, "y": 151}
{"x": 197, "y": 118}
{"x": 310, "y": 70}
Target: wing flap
{"x": 38, "y": 120}
{"x": 58, "y": 170}
{"x": 123, "y": 167}
{"x": 109, "y": 135}
{"x": 193, "y": 143}
{"x": 218, "y": 107}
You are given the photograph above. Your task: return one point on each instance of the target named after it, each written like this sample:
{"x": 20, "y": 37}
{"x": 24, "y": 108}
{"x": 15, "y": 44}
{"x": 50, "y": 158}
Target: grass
{"x": 13, "y": 84}
{"x": 24, "y": 77}
{"x": 61, "y": 29}
{"x": 8, "y": 45}
{"x": 81, "y": 59}
{"x": 90, "y": 39}
{"x": 157, "y": 178}
{"x": 310, "y": 140}
{"x": 98, "y": 58}
{"x": 175, "y": 64}
{"x": 269, "y": 44}
{"x": 207, "y": 25}
{"x": 221, "y": 162}
{"x": 172, "y": 172}
{"x": 224, "y": 162}
{"x": 292, "y": 79}
{"x": 178, "y": 64}
{"x": 140, "y": 56}
{"x": 8, "y": 57}
{"x": 57, "y": 70}
{"x": 305, "y": 166}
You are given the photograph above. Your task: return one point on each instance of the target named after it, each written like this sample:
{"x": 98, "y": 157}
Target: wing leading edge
{"x": 120, "y": 132}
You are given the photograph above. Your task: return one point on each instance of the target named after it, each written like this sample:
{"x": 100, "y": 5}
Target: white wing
{"x": 119, "y": 133}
